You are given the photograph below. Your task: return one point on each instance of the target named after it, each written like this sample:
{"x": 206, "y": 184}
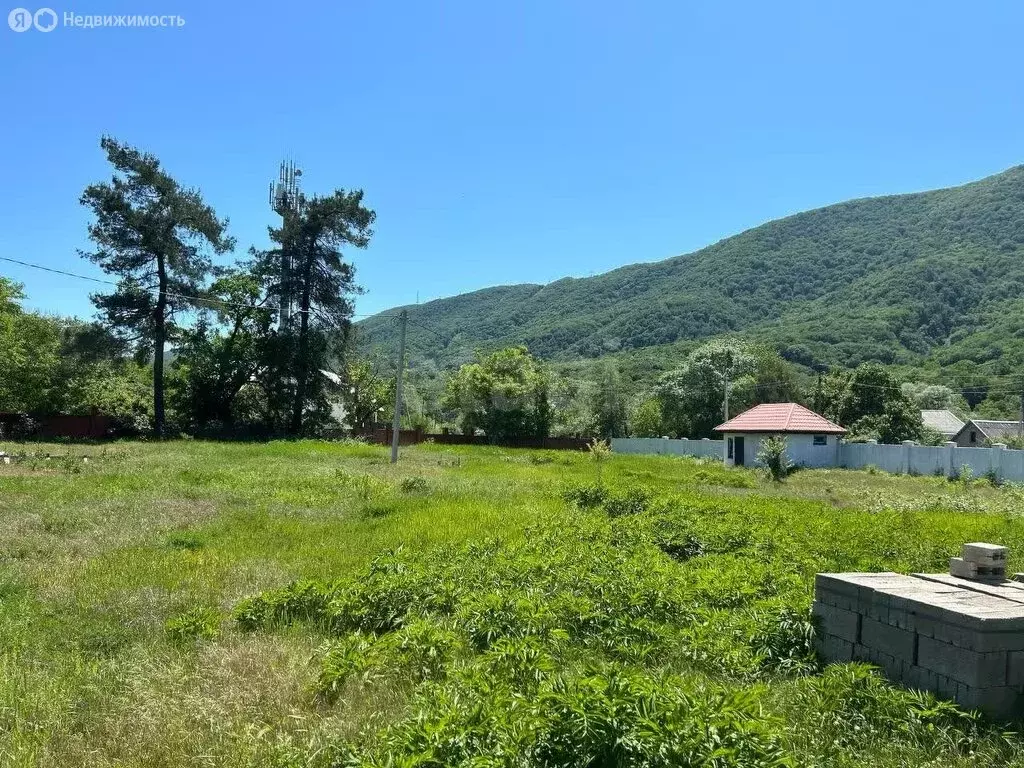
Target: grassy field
{"x": 293, "y": 604}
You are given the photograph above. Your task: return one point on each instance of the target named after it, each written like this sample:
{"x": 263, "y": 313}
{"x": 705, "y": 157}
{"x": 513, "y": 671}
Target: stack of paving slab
{"x": 962, "y": 638}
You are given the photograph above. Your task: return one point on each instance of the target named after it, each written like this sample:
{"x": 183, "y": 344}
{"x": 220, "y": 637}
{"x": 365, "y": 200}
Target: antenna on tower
{"x": 286, "y": 199}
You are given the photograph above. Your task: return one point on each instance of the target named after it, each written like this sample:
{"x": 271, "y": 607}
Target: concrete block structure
{"x": 960, "y": 638}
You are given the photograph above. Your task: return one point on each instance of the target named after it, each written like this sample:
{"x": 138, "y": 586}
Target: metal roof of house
{"x": 993, "y": 430}
{"x": 942, "y": 421}
{"x": 780, "y": 417}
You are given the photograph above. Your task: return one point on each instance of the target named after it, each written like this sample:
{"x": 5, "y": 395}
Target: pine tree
{"x": 320, "y": 282}
{"x": 156, "y": 237}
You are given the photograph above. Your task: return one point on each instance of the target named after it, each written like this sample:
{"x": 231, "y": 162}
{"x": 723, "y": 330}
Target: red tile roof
{"x": 780, "y": 417}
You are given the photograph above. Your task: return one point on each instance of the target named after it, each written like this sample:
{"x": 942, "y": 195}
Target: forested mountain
{"x": 930, "y": 279}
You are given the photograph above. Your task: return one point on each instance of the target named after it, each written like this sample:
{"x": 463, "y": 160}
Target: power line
{"x": 171, "y": 294}
{"x": 985, "y": 390}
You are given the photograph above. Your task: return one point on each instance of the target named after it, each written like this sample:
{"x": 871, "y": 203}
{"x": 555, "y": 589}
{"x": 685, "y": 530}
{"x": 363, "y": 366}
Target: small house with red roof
{"x": 811, "y": 439}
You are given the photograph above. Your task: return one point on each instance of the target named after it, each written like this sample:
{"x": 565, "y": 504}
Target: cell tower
{"x": 286, "y": 199}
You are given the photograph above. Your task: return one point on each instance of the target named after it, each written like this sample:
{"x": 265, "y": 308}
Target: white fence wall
{"x": 907, "y": 458}
{"x": 666, "y": 447}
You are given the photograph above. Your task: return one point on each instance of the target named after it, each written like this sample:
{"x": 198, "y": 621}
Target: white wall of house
{"x": 802, "y": 450}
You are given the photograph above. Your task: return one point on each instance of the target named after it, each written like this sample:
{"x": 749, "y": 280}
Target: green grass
{"x": 306, "y": 603}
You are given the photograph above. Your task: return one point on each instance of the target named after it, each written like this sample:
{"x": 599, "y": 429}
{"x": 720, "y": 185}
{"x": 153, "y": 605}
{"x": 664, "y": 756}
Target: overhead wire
{"x": 986, "y": 390}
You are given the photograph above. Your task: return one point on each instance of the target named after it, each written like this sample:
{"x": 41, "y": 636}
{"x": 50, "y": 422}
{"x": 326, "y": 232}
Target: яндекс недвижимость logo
{"x": 22, "y": 19}
{"x": 46, "y": 20}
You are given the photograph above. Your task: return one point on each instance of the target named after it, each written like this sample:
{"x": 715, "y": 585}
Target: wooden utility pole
{"x": 395, "y": 425}
{"x": 1020, "y": 425}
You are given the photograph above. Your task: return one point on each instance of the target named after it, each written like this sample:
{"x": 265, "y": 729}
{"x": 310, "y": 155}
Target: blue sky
{"x": 514, "y": 142}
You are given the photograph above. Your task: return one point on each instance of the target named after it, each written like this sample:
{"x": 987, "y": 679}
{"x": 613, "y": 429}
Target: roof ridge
{"x": 789, "y": 416}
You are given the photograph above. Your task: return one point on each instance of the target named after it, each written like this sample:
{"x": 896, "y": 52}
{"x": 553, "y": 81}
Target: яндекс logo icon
{"x": 20, "y": 19}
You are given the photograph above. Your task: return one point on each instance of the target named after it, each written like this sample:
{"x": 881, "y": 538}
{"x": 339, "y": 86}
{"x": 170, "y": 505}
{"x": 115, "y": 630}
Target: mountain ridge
{"x": 893, "y": 278}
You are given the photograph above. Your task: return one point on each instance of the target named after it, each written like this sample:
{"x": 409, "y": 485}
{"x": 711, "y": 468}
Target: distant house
{"x": 811, "y": 439}
{"x": 944, "y": 422}
{"x": 976, "y": 432}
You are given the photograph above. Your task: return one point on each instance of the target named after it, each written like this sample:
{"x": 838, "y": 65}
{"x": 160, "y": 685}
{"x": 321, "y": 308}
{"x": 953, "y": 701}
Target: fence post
{"x": 907, "y": 447}
{"x": 950, "y": 448}
{"x": 996, "y": 464}
{"x": 684, "y": 447}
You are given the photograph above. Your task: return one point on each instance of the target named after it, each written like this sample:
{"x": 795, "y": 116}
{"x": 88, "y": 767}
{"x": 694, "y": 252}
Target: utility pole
{"x": 725, "y": 403}
{"x": 1020, "y": 426}
{"x": 402, "y": 318}
{"x": 726, "y": 375}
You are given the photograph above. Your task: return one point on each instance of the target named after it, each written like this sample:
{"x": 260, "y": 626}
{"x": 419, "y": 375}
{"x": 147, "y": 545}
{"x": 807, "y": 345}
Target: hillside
{"x": 896, "y": 279}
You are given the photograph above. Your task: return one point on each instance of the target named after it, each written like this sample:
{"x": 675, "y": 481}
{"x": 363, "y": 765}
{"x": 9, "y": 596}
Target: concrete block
{"x": 986, "y": 571}
{"x": 962, "y": 569}
{"x": 920, "y": 678}
{"x": 839, "y": 599}
{"x": 945, "y": 687}
{"x": 834, "y": 649}
{"x": 896, "y": 642}
{"x": 890, "y": 665}
{"x": 982, "y": 670}
{"x": 838, "y": 622}
{"x": 987, "y": 554}
{"x": 1015, "y": 668}
{"x": 998, "y": 702}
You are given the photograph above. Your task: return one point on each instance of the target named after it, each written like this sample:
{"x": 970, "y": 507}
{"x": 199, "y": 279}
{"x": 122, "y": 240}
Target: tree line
{"x": 191, "y": 339}
{"x": 511, "y": 394}
{"x": 238, "y": 363}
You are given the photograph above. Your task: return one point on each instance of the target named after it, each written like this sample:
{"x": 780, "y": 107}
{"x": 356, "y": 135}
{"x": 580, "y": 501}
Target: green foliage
{"x": 414, "y": 485}
{"x": 504, "y": 394}
{"x": 773, "y": 456}
{"x": 155, "y": 237}
{"x": 786, "y": 645}
{"x": 490, "y": 635}
{"x": 367, "y": 393}
{"x": 609, "y": 405}
{"x": 632, "y": 501}
{"x": 645, "y": 418}
{"x": 307, "y": 268}
{"x": 692, "y": 396}
{"x": 902, "y": 279}
{"x": 54, "y": 365}
{"x": 511, "y": 629}
{"x": 870, "y": 402}
{"x": 936, "y": 397}
{"x": 599, "y": 452}
{"x": 194, "y": 624}
{"x": 221, "y": 364}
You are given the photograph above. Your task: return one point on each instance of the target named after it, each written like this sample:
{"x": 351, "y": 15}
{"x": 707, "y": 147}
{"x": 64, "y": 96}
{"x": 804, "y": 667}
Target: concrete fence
{"x": 906, "y": 458}
{"x": 663, "y": 446}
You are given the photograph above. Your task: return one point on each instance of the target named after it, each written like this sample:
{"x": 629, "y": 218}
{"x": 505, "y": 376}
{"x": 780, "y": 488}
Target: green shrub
{"x": 773, "y": 456}
{"x": 682, "y": 549}
{"x": 785, "y": 642}
{"x": 585, "y": 496}
{"x": 413, "y": 485}
{"x": 194, "y": 624}
{"x": 632, "y": 502}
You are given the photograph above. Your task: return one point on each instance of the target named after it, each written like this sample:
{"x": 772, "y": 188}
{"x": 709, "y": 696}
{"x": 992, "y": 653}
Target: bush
{"x": 193, "y": 625}
{"x": 413, "y": 485}
{"x": 773, "y": 456}
{"x": 632, "y": 502}
{"x": 785, "y": 642}
{"x": 585, "y": 496}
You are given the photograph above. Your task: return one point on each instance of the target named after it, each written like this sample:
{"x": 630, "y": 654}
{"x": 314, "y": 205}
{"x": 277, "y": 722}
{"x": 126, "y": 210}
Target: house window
{"x": 974, "y": 437}
{"x": 821, "y": 439}
{"x": 728, "y": 447}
